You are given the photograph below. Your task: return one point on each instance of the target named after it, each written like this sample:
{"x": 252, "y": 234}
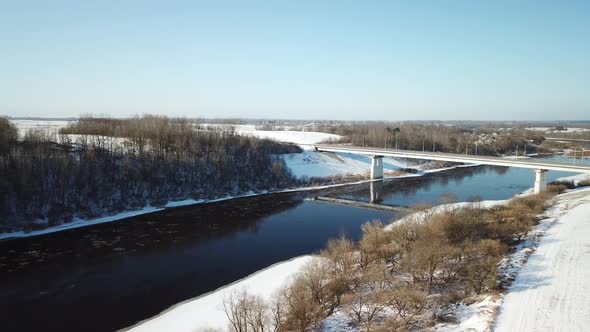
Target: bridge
{"x": 377, "y": 154}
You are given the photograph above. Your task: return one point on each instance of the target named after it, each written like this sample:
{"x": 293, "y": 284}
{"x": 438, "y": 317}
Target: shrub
{"x": 566, "y": 184}
{"x": 534, "y": 204}
{"x": 302, "y": 310}
{"x": 512, "y": 223}
{"x": 481, "y": 269}
{"x": 377, "y": 245}
{"x": 426, "y": 256}
{"x": 459, "y": 225}
{"x": 556, "y": 188}
{"x": 248, "y": 313}
{"x": 408, "y": 303}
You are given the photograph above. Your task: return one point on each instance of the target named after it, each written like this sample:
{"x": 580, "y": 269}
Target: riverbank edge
{"x": 78, "y": 222}
{"x": 478, "y": 316}
{"x": 293, "y": 264}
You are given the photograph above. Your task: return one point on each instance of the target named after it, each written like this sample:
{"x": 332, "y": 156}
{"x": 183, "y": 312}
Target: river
{"x": 110, "y": 276}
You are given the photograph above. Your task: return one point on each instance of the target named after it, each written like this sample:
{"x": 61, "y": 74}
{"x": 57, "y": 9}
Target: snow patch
{"x": 475, "y": 317}
{"x": 555, "y": 281}
{"x": 78, "y": 222}
{"x": 326, "y": 164}
{"x": 206, "y": 311}
{"x": 288, "y": 136}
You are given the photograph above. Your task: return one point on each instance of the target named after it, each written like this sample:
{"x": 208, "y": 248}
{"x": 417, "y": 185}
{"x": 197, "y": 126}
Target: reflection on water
{"x": 110, "y": 276}
{"x": 376, "y": 192}
{"x": 466, "y": 184}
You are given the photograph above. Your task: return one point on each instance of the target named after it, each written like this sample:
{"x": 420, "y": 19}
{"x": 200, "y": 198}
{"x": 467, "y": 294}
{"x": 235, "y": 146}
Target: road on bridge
{"x": 531, "y": 163}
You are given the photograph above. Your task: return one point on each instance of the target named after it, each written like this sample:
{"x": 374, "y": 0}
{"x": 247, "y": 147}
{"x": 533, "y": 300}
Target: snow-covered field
{"x": 206, "y": 311}
{"x": 290, "y": 136}
{"x": 552, "y": 130}
{"x": 24, "y": 125}
{"x": 326, "y": 164}
{"x": 551, "y": 291}
{"x": 302, "y": 138}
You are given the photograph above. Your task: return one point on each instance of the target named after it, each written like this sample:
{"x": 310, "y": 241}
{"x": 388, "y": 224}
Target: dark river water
{"x": 110, "y": 276}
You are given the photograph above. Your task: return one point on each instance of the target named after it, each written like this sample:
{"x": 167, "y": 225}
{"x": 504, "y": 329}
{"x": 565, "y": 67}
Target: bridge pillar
{"x": 376, "y": 192}
{"x": 540, "y": 181}
{"x": 376, "y": 167}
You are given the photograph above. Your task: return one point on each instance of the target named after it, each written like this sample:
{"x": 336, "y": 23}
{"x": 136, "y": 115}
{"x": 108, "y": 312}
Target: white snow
{"x": 77, "y": 222}
{"x": 289, "y": 136}
{"x": 422, "y": 215}
{"x": 475, "y": 317}
{"x": 53, "y": 125}
{"x": 551, "y": 291}
{"x": 576, "y": 178}
{"x": 206, "y": 311}
{"x": 327, "y": 164}
{"x": 337, "y": 322}
{"x": 552, "y": 129}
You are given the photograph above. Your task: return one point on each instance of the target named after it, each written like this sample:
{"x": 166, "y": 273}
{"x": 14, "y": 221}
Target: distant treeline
{"x": 452, "y": 139}
{"x": 100, "y": 166}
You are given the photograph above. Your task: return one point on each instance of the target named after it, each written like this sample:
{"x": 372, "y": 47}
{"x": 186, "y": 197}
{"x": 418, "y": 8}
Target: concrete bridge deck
{"x": 460, "y": 158}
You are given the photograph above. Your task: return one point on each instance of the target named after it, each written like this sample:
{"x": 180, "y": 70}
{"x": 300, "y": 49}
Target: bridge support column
{"x": 376, "y": 192}
{"x": 377, "y": 167}
{"x": 540, "y": 181}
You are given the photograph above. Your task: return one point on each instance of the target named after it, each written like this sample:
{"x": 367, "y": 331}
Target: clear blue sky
{"x": 390, "y": 60}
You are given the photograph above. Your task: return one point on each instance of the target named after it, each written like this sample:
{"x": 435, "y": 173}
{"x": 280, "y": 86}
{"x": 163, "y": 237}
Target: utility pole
{"x": 524, "y": 150}
{"x": 516, "y": 151}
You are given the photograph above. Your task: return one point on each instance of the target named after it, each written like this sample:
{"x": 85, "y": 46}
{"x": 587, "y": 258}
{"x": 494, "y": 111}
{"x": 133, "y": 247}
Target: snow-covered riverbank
{"x": 78, "y": 222}
{"x": 555, "y": 281}
{"x": 563, "y": 233}
{"x": 206, "y": 311}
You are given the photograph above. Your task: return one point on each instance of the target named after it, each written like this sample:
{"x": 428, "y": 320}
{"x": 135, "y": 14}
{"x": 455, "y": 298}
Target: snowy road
{"x": 552, "y": 291}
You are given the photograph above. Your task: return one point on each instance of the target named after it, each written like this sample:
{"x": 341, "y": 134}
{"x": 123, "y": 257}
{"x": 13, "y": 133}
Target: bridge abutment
{"x": 376, "y": 167}
{"x": 540, "y": 181}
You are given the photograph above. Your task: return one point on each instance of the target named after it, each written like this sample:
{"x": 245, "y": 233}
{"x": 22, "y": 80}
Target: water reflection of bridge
{"x": 374, "y": 202}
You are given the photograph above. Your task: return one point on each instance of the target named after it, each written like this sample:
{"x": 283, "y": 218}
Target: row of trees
{"x": 453, "y": 139}
{"x": 99, "y": 166}
{"x": 398, "y": 279}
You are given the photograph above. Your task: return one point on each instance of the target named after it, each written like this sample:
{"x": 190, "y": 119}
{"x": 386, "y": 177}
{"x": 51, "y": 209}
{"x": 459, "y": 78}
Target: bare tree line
{"x": 435, "y": 137}
{"x": 87, "y": 170}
